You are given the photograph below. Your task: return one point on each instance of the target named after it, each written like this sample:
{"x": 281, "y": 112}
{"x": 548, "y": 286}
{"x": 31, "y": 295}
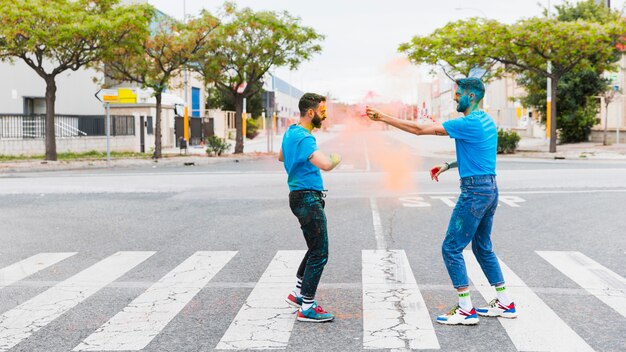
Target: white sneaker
{"x": 458, "y": 316}
{"x": 497, "y": 309}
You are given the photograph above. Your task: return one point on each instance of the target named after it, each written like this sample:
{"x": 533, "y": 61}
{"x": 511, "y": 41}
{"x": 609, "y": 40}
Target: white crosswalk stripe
{"x": 19, "y": 323}
{"x": 24, "y": 268}
{"x": 395, "y": 315}
{"x": 133, "y": 328}
{"x": 537, "y": 327}
{"x": 265, "y": 321}
{"x": 599, "y": 281}
{"x": 394, "y": 312}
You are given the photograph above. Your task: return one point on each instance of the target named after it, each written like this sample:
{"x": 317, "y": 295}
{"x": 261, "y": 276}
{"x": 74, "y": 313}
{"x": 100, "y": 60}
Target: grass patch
{"x": 90, "y": 155}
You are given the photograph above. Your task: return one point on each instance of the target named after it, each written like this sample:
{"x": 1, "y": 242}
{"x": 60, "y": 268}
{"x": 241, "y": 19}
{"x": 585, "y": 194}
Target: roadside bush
{"x": 507, "y": 141}
{"x": 216, "y": 146}
{"x": 252, "y": 128}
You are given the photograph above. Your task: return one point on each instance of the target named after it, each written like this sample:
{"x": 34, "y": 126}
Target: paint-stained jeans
{"x": 308, "y": 207}
{"x": 471, "y": 221}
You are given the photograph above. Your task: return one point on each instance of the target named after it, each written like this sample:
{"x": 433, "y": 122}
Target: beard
{"x": 464, "y": 104}
{"x": 316, "y": 121}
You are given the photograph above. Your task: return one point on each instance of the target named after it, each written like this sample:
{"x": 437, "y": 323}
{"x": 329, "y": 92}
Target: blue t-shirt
{"x": 298, "y": 145}
{"x": 476, "y": 139}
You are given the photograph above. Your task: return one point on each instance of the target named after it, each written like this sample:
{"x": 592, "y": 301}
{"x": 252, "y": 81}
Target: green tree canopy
{"x": 527, "y": 45}
{"x": 160, "y": 55}
{"x": 250, "y": 43}
{"x": 53, "y": 36}
{"x": 457, "y": 48}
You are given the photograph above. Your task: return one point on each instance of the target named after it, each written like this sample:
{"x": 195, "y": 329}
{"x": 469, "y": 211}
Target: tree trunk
{"x": 51, "y": 143}
{"x": 555, "y": 82}
{"x": 157, "y": 130}
{"x": 239, "y": 123}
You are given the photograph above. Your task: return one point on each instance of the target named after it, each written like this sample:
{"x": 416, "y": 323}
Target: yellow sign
{"x": 124, "y": 96}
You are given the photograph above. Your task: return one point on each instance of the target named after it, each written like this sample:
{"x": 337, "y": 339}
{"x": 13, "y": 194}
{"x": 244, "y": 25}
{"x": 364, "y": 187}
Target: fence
{"x": 65, "y": 126}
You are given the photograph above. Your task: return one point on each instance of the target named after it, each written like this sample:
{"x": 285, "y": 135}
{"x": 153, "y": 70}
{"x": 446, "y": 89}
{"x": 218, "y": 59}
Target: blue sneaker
{"x": 315, "y": 314}
{"x": 458, "y": 316}
{"x": 497, "y": 309}
{"x": 294, "y": 300}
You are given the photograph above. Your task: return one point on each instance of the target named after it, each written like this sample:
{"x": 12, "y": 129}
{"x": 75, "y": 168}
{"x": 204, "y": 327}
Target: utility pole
{"x": 549, "y": 116}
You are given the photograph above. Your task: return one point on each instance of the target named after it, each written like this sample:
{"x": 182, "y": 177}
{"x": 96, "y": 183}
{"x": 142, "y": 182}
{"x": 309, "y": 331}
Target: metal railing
{"x": 14, "y": 126}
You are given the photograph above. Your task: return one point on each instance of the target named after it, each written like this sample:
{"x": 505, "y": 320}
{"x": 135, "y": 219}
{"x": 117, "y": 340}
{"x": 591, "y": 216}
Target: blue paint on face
{"x": 464, "y": 103}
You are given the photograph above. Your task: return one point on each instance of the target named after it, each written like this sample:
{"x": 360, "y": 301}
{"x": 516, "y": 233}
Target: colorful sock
{"x": 502, "y": 296}
{"x": 465, "y": 301}
{"x": 296, "y": 292}
{"x": 307, "y": 303}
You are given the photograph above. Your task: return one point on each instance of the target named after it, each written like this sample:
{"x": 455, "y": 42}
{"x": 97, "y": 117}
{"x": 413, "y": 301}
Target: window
{"x": 195, "y": 102}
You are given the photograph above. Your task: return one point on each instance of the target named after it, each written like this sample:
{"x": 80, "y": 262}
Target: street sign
{"x": 117, "y": 96}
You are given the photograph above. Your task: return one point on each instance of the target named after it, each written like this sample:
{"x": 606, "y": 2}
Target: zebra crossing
{"x": 395, "y": 315}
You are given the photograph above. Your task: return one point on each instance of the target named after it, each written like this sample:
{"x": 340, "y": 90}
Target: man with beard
{"x": 476, "y": 138}
{"x": 303, "y": 161}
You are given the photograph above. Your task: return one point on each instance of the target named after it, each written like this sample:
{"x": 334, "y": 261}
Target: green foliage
{"x": 458, "y": 47}
{"x": 525, "y": 47}
{"x": 575, "y": 126}
{"x": 155, "y": 58}
{"x": 252, "y": 127}
{"x": 54, "y": 36}
{"x": 90, "y": 155}
{"x": 217, "y": 99}
{"x": 507, "y": 141}
{"x": 576, "y": 109}
{"x": 216, "y": 146}
{"x": 248, "y": 44}
{"x": 573, "y": 95}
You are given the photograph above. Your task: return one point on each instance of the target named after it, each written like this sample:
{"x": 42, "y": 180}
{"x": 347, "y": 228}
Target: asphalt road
{"x": 194, "y": 258}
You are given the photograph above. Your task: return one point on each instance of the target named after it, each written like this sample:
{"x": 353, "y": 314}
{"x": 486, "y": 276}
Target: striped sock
{"x": 307, "y": 303}
{"x": 465, "y": 301}
{"x": 298, "y": 287}
{"x": 502, "y": 296}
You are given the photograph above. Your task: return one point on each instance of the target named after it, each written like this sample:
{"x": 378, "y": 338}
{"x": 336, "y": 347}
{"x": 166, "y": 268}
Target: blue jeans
{"x": 308, "y": 207}
{"x": 471, "y": 221}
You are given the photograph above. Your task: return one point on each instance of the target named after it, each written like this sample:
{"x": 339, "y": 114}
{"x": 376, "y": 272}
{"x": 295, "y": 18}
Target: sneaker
{"x": 315, "y": 314}
{"x": 294, "y": 300}
{"x": 497, "y": 309}
{"x": 458, "y": 316}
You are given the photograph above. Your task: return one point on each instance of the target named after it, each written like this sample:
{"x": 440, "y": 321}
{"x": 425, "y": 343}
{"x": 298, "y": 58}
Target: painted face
{"x": 463, "y": 99}
{"x": 320, "y": 115}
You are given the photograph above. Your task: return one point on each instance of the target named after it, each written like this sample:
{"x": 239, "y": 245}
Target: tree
{"x": 217, "y": 99}
{"x": 577, "y": 90}
{"x": 161, "y": 55}
{"x": 608, "y": 96}
{"x": 527, "y": 45}
{"x": 249, "y": 44}
{"x": 54, "y": 36}
{"x": 457, "y": 48}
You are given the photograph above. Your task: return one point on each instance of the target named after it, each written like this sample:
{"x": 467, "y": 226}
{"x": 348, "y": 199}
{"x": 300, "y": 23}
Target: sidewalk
{"x": 538, "y": 148}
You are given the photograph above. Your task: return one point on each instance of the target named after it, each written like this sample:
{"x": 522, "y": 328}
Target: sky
{"x": 359, "y": 52}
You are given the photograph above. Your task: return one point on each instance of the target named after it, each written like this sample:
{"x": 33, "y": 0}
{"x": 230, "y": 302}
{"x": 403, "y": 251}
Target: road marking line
{"x": 19, "y": 323}
{"x": 511, "y": 200}
{"x": 394, "y": 312}
{"x": 378, "y": 226}
{"x": 447, "y": 200}
{"x": 598, "y": 280}
{"x": 24, "y": 268}
{"x": 140, "y": 322}
{"x": 538, "y": 327}
{"x": 265, "y": 321}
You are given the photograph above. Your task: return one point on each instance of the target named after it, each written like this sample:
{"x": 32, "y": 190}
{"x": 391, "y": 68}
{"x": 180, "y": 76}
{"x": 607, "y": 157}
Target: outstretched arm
{"x": 407, "y": 126}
